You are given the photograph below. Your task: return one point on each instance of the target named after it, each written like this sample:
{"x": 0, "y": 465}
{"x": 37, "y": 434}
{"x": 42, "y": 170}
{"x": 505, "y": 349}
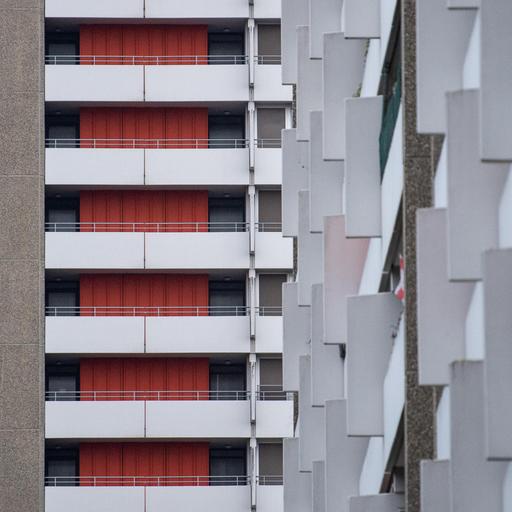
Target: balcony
{"x": 145, "y": 330}
{"x": 267, "y": 80}
{"x": 166, "y": 414}
{"x": 268, "y": 163}
{"x": 148, "y": 78}
{"x": 94, "y": 9}
{"x": 137, "y": 162}
{"x": 183, "y": 246}
{"x": 154, "y": 494}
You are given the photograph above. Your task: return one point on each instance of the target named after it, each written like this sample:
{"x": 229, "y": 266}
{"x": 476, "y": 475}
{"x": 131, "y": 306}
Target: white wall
{"x": 273, "y": 251}
{"x": 267, "y": 9}
{"x": 270, "y": 498}
{"x": 198, "y": 334}
{"x": 274, "y": 419}
{"x": 97, "y": 499}
{"x": 94, "y": 335}
{"x": 94, "y": 83}
{"x": 268, "y": 163}
{"x": 269, "y": 334}
{"x": 94, "y": 419}
{"x": 267, "y": 83}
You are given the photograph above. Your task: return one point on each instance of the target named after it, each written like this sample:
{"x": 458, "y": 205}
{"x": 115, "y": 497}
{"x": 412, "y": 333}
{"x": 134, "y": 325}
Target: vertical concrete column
{"x": 21, "y": 255}
{"x": 418, "y": 186}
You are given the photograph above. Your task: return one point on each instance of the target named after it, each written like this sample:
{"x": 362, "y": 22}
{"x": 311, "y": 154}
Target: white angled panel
{"x": 342, "y": 77}
{"x": 435, "y": 485}
{"x": 440, "y": 59}
{"x": 297, "y": 485}
{"x": 309, "y": 84}
{"x": 325, "y": 179}
{"x": 324, "y": 17}
{"x": 294, "y": 13}
{"x": 498, "y": 352}
{"x": 476, "y": 484}
{"x": 372, "y": 322}
{"x": 474, "y": 190}
{"x": 442, "y": 305}
{"x": 311, "y": 421}
{"x": 309, "y": 252}
{"x": 362, "y": 19}
{"x": 296, "y": 331}
{"x": 343, "y": 263}
{"x": 344, "y": 458}
{"x": 496, "y": 77}
{"x": 326, "y": 363}
{"x": 363, "y": 120}
{"x": 318, "y": 486}
{"x": 377, "y": 503}
{"x": 295, "y": 178}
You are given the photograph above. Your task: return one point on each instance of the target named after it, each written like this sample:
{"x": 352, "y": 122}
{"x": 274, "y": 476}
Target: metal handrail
{"x": 147, "y": 143}
{"x": 145, "y": 60}
{"x": 149, "y": 481}
{"x": 269, "y": 310}
{"x": 269, "y": 479}
{"x": 151, "y": 227}
{"x": 268, "y": 59}
{"x": 268, "y": 143}
{"x": 269, "y": 227}
{"x": 147, "y": 310}
{"x": 100, "y": 396}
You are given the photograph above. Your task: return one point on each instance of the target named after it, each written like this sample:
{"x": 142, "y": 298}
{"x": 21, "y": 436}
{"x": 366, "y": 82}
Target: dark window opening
{"x": 269, "y": 44}
{"x": 61, "y": 466}
{"x": 62, "y": 214}
{"x": 271, "y": 121}
{"x": 228, "y": 466}
{"x": 226, "y": 214}
{"x": 227, "y": 131}
{"x": 226, "y": 48}
{"x": 227, "y": 298}
{"x": 62, "y": 298}
{"x": 62, "y": 382}
{"x": 62, "y": 47}
{"x": 271, "y": 380}
{"x": 62, "y": 131}
{"x": 270, "y": 463}
{"x": 227, "y": 382}
{"x": 269, "y": 210}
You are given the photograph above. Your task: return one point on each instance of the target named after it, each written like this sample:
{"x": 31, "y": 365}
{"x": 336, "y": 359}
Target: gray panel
{"x": 342, "y": 77}
{"x": 271, "y": 372}
{"x": 372, "y": 322}
{"x": 324, "y": 17}
{"x": 326, "y": 363}
{"x": 269, "y": 206}
{"x": 344, "y": 458}
{"x": 295, "y": 178}
{"x": 495, "y": 79}
{"x": 442, "y": 305}
{"x": 309, "y": 253}
{"x": 362, "y": 19}
{"x": 363, "y": 120}
{"x": 296, "y": 334}
{"x": 297, "y": 486}
{"x": 435, "y": 485}
{"x": 318, "y": 483}
{"x": 270, "y": 122}
{"x": 377, "y": 503}
{"x": 498, "y": 352}
{"x": 476, "y": 484}
{"x": 440, "y": 59}
{"x": 343, "y": 263}
{"x": 294, "y": 13}
{"x": 474, "y": 190}
{"x": 325, "y": 179}
{"x": 269, "y": 39}
{"x": 311, "y": 421}
{"x": 270, "y": 459}
{"x": 270, "y": 289}
{"x": 309, "y": 84}
{"x": 463, "y": 4}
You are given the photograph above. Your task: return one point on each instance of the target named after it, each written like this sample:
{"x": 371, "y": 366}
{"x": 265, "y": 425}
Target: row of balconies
{"x": 162, "y": 9}
{"x": 132, "y": 334}
{"x": 170, "y": 251}
{"x": 156, "y": 83}
{"x": 155, "y": 498}
{"x": 125, "y": 166}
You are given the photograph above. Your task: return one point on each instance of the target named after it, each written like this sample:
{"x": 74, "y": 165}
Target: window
{"x": 271, "y": 294}
{"x": 271, "y": 379}
{"x": 62, "y": 382}
{"x": 225, "y": 48}
{"x": 62, "y": 298}
{"x": 226, "y": 214}
{"x": 227, "y": 298}
{"x": 270, "y": 123}
{"x": 227, "y": 131}
{"x": 269, "y": 210}
{"x": 62, "y": 48}
{"x": 226, "y": 464}
{"x": 61, "y": 466}
{"x": 227, "y": 381}
{"x": 269, "y": 44}
{"x": 270, "y": 463}
{"x": 62, "y": 131}
{"x": 62, "y": 213}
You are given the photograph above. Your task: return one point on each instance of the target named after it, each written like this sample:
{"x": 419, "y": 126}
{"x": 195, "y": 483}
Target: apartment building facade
{"x": 396, "y": 187}
{"x": 142, "y": 333}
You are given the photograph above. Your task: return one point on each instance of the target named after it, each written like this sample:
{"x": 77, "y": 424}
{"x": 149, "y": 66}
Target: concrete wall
{"x": 21, "y": 256}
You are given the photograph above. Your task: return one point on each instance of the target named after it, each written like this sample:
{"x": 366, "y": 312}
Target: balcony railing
{"x": 101, "y": 396}
{"x": 147, "y": 481}
{"x": 148, "y": 143}
{"x": 147, "y": 60}
{"x": 269, "y": 480}
{"x": 149, "y": 227}
{"x": 269, "y": 227}
{"x": 147, "y": 310}
{"x": 269, "y": 310}
{"x": 268, "y": 59}
{"x": 268, "y": 143}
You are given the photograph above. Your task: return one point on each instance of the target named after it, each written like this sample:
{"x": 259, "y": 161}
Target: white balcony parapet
{"x": 267, "y": 82}
{"x": 201, "y": 9}
{"x": 273, "y": 251}
{"x": 269, "y": 334}
{"x": 94, "y": 9}
{"x": 268, "y": 165}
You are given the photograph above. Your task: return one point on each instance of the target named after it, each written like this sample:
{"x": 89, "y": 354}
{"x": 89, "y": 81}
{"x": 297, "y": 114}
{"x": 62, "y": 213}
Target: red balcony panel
{"x": 138, "y": 464}
{"x": 143, "y": 295}
{"x": 136, "y": 44}
{"x": 144, "y": 379}
{"x": 144, "y": 210}
{"x": 150, "y": 128}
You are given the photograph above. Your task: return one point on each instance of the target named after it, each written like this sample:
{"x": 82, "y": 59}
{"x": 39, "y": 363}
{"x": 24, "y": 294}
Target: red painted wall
{"x": 145, "y": 376}
{"x": 143, "y": 41}
{"x": 145, "y": 207}
{"x": 143, "y": 290}
{"x": 142, "y": 127}
{"x": 142, "y": 459}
